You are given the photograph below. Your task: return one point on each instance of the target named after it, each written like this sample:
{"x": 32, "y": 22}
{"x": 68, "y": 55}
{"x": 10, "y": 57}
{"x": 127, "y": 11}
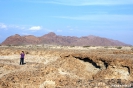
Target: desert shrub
{"x": 119, "y": 47}
{"x": 86, "y": 46}
{"x": 106, "y": 47}
{"x": 132, "y": 49}
{"x": 9, "y": 45}
{"x": 27, "y": 52}
{"x": 72, "y": 46}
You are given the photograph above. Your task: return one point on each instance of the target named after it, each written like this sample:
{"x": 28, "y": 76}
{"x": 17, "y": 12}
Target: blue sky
{"x": 105, "y": 18}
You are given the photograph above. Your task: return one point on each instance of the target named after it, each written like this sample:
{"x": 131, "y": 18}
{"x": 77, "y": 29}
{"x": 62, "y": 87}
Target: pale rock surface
{"x": 65, "y": 67}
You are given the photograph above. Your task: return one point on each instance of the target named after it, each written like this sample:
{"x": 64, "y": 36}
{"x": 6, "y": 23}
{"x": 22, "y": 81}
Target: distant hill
{"x": 52, "y": 38}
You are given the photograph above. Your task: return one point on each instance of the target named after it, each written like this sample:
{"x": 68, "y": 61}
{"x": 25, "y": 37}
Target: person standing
{"x": 22, "y": 58}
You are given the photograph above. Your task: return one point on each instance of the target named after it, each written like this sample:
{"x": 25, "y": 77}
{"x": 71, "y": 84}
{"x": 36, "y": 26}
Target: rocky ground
{"x": 66, "y": 67}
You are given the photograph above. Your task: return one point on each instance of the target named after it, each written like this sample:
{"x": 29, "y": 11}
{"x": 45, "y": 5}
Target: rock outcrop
{"x": 65, "y": 67}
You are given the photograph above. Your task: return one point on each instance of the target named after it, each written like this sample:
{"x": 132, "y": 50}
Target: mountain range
{"x": 53, "y": 39}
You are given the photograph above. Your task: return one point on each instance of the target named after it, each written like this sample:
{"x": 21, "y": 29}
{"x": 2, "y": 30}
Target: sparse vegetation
{"x": 106, "y": 47}
{"x": 9, "y": 45}
{"x": 86, "y": 46}
{"x": 132, "y": 49}
{"x": 27, "y": 52}
{"x": 72, "y": 46}
{"x": 119, "y": 47}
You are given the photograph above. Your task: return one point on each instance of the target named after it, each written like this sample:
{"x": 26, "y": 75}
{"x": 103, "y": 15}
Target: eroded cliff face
{"x": 66, "y": 67}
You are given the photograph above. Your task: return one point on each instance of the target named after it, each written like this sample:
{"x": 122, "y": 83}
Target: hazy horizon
{"x": 111, "y": 19}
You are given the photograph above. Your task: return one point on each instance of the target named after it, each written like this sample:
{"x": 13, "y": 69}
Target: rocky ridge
{"x": 53, "y": 39}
